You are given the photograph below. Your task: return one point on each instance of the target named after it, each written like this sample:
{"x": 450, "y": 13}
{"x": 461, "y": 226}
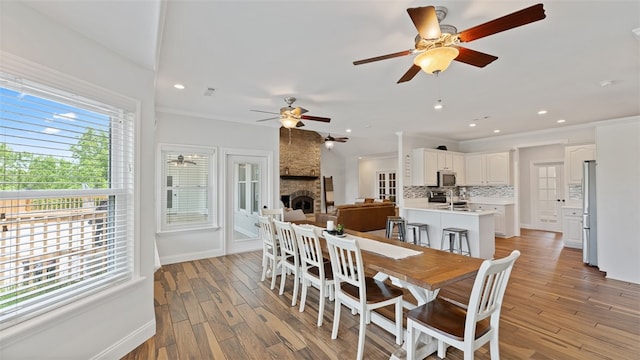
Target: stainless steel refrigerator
{"x": 589, "y": 214}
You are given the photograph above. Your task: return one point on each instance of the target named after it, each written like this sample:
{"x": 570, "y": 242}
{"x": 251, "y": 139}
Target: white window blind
{"x": 66, "y": 204}
{"x": 186, "y": 187}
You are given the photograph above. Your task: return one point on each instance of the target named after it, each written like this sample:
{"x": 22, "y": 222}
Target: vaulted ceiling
{"x": 580, "y": 64}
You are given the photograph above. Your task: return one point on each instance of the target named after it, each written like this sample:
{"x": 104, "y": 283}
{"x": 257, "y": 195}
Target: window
{"x": 66, "y": 196}
{"x": 248, "y": 187}
{"x": 186, "y": 187}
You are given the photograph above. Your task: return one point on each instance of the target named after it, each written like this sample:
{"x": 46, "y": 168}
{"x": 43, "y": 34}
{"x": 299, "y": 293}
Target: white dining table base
{"x": 425, "y": 345}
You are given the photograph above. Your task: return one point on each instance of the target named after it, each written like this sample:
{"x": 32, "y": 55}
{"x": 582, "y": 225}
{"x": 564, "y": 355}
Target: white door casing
{"x": 547, "y": 195}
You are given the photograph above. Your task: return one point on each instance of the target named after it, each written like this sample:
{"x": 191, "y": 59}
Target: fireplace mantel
{"x": 298, "y": 177}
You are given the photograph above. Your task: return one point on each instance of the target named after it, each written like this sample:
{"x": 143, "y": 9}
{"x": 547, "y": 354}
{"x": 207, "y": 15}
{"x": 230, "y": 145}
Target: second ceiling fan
{"x": 290, "y": 117}
{"x": 330, "y": 141}
{"x": 437, "y": 45}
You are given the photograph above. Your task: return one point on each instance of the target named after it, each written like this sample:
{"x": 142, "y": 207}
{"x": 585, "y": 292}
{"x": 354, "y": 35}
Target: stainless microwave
{"x": 446, "y": 178}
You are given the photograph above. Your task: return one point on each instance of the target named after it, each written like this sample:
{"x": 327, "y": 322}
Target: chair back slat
{"x": 488, "y": 290}
{"x": 267, "y": 232}
{"x": 287, "y": 240}
{"x": 309, "y": 247}
{"x": 346, "y": 261}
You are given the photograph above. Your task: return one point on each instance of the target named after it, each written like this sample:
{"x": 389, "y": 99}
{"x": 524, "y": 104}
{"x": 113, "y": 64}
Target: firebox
{"x": 304, "y": 203}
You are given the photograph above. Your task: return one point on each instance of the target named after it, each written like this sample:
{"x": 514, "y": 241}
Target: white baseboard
{"x": 572, "y": 244}
{"x": 526, "y": 226}
{"x": 128, "y": 343}
{"x": 174, "y": 259}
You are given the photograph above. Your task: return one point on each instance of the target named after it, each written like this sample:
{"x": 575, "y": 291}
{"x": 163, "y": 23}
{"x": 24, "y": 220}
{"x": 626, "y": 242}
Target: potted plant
{"x": 339, "y": 229}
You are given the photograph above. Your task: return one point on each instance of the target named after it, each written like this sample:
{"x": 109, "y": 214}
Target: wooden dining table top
{"x": 431, "y": 270}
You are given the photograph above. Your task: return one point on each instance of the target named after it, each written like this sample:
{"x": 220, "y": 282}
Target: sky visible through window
{"x": 44, "y": 127}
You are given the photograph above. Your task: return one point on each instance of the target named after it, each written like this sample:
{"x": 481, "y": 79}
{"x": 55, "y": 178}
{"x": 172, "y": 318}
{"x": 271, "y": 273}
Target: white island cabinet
{"x": 480, "y": 226}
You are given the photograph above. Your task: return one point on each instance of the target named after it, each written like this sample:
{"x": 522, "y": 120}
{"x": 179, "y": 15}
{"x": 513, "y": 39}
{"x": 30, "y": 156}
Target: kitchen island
{"x": 480, "y": 226}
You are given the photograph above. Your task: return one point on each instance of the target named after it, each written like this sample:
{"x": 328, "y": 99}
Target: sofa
{"x": 359, "y": 217}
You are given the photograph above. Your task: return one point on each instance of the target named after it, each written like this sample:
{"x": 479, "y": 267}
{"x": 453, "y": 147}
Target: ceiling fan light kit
{"x": 436, "y": 59}
{"x": 289, "y": 122}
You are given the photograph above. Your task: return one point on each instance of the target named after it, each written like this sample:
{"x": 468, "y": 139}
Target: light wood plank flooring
{"x": 555, "y": 308}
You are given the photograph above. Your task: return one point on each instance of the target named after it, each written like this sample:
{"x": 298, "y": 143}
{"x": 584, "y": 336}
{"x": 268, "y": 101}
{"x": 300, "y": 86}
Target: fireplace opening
{"x": 304, "y": 203}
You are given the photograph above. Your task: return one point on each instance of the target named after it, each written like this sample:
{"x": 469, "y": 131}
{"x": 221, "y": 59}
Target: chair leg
{"x": 494, "y": 346}
{"x": 264, "y": 269}
{"x": 323, "y": 289}
{"x": 411, "y": 343}
{"x": 362, "y": 334}
{"x": 273, "y": 273}
{"x": 336, "y": 318}
{"x": 296, "y": 284}
{"x": 399, "y": 322}
{"x": 303, "y": 295}
{"x": 283, "y": 278}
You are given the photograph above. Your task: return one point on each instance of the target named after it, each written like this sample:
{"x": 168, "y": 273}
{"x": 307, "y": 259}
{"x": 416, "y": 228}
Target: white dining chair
{"x": 358, "y": 291}
{"x": 271, "y": 260}
{"x": 314, "y": 269}
{"x": 276, "y": 214}
{"x": 465, "y": 328}
{"x": 289, "y": 256}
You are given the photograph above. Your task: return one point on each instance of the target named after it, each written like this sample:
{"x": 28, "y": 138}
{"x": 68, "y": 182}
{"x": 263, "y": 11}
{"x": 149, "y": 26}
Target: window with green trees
{"x": 66, "y": 204}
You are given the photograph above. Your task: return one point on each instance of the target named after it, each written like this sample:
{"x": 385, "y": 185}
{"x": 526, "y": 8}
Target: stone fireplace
{"x": 300, "y": 169}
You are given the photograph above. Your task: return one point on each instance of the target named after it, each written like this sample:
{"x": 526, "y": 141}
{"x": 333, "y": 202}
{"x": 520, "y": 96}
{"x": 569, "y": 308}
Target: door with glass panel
{"x": 386, "y": 185}
{"x": 246, "y": 191}
{"x": 547, "y": 196}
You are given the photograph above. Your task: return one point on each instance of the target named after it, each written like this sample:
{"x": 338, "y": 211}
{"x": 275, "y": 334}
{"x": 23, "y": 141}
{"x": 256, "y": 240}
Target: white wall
{"x": 527, "y": 157}
{"x": 101, "y": 326}
{"x": 368, "y": 167}
{"x": 618, "y": 199}
{"x": 189, "y": 130}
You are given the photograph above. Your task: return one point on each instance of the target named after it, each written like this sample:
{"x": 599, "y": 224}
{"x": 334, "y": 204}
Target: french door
{"x": 386, "y": 183}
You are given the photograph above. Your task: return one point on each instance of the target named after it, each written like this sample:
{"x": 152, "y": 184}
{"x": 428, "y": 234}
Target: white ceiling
{"x": 254, "y": 53}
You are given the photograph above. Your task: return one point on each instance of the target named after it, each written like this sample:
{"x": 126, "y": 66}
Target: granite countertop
{"x": 447, "y": 211}
{"x": 491, "y": 201}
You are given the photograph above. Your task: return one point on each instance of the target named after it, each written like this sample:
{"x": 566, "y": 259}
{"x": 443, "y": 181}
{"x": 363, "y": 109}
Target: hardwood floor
{"x": 555, "y": 307}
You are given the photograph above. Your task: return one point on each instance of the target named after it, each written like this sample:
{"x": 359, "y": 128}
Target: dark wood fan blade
{"x": 315, "y": 118}
{"x": 413, "y": 70}
{"x": 341, "y": 139}
{"x": 271, "y": 118}
{"x": 426, "y": 21}
{"x": 383, "y": 57}
{"x": 299, "y": 124}
{"x": 473, "y": 57}
{"x": 266, "y": 112}
{"x": 518, "y": 18}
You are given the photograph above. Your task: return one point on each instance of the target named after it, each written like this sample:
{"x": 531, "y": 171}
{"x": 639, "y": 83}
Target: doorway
{"x": 247, "y": 190}
{"x": 547, "y": 195}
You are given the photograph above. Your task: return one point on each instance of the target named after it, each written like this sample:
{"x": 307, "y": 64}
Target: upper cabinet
{"x": 574, "y": 157}
{"x": 426, "y": 163}
{"x": 488, "y": 169}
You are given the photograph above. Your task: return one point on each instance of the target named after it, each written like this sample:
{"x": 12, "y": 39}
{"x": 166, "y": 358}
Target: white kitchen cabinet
{"x": 426, "y": 163}
{"x": 488, "y": 169}
{"x": 572, "y": 227}
{"x": 459, "y": 167}
{"x": 574, "y": 157}
{"x": 504, "y": 217}
{"x": 424, "y": 167}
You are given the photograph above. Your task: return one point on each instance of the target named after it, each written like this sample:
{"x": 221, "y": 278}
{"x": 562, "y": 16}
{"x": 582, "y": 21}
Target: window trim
{"x": 212, "y": 221}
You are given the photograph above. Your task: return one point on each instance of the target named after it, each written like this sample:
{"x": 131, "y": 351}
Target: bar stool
{"x": 419, "y": 227}
{"x": 393, "y": 221}
{"x": 456, "y": 234}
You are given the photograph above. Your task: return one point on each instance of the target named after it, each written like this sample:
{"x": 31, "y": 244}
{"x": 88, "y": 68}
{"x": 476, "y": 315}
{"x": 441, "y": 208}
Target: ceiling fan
{"x": 436, "y": 45}
{"x": 330, "y": 141}
{"x": 290, "y": 117}
{"x": 180, "y": 161}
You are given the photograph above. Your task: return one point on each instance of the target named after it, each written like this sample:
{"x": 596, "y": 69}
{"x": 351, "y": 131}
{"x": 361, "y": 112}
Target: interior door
{"x": 246, "y": 190}
{"x": 547, "y": 196}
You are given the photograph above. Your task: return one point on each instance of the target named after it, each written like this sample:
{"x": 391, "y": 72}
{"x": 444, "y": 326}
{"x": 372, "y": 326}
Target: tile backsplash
{"x": 502, "y": 191}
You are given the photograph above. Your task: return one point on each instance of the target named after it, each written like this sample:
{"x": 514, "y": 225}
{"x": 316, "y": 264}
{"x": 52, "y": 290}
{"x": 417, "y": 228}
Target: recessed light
{"x": 560, "y": 121}
{"x": 348, "y": 130}
{"x": 209, "y": 91}
{"x": 605, "y": 83}
{"x": 179, "y": 86}
{"x": 496, "y": 131}
{"x": 542, "y": 112}
{"x": 473, "y": 124}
